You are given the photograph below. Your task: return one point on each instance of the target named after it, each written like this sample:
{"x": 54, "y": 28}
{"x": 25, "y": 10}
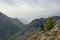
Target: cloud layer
{"x": 30, "y": 9}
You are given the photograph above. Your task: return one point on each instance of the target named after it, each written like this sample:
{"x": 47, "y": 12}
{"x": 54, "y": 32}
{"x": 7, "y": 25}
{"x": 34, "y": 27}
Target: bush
{"x": 49, "y": 24}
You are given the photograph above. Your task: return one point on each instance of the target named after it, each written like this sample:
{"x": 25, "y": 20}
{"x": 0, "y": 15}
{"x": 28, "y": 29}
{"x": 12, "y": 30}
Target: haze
{"x": 30, "y": 9}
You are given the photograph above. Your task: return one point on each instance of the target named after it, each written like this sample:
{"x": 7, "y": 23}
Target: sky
{"x": 27, "y": 10}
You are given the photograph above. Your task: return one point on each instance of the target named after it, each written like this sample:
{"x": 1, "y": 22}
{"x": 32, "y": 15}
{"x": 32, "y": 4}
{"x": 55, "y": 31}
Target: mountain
{"x": 24, "y": 20}
{"x": 14, "y": 29}
{"x": 55, "y": 18}
{"x": 37, "y": 25}
{"x": 17, "y": 22}
{"x": 30, "y": 29}
{"x": 53, "y": 34}
{"x": 8, "y": 26}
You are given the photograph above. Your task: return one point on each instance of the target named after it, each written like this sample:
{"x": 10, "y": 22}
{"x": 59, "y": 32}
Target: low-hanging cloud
{"x": 30, "y": 9}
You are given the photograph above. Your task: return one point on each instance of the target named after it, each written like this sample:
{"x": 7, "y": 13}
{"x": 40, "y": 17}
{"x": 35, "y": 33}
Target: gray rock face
{"x": 8, "y": 26}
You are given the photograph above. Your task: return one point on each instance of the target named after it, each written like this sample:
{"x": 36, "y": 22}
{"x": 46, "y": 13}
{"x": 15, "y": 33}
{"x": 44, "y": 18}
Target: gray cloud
{"x": 30, "y": 9}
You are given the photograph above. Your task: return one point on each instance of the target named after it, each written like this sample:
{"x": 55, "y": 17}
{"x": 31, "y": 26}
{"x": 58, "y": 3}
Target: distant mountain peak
{"x": 1, "y": 13}
{"x": 56, "y": 16}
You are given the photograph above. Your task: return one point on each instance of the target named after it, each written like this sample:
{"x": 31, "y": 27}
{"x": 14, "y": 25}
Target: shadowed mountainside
{"x": 8, "y": 26}
{"x": 14, "y": 29}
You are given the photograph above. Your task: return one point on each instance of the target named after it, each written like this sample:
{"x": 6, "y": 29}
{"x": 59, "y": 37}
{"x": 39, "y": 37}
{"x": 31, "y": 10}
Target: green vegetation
{"x": 49, "y": 24}
{"x": 44, "y": 29}
{"x": 49, "y": 32}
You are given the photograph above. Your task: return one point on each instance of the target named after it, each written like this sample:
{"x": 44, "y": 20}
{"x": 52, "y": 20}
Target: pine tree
{"x": 49, "y": 24}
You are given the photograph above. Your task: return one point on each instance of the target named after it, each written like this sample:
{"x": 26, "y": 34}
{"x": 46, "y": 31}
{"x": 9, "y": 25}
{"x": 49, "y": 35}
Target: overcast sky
{"x": 30, "y": 9}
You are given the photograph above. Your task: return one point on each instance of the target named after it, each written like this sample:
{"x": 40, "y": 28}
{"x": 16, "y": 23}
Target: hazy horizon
{"x": 27, "y": 10}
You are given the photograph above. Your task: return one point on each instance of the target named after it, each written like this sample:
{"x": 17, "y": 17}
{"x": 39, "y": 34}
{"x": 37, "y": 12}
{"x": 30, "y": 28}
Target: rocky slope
{"x": 8, "y": 26}
{"x": 53, "y": 34}
{"x": 14, "y": 29}
{"x": 32, "y": 28}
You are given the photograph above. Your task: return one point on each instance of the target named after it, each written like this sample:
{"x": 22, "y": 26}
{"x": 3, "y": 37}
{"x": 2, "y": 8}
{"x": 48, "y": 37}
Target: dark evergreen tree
{"x": 49, "y": 24}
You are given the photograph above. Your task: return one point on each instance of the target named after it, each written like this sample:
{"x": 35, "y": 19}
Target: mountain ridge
{"x": 14, "y": 29}
{"x": 7, "y": 27}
